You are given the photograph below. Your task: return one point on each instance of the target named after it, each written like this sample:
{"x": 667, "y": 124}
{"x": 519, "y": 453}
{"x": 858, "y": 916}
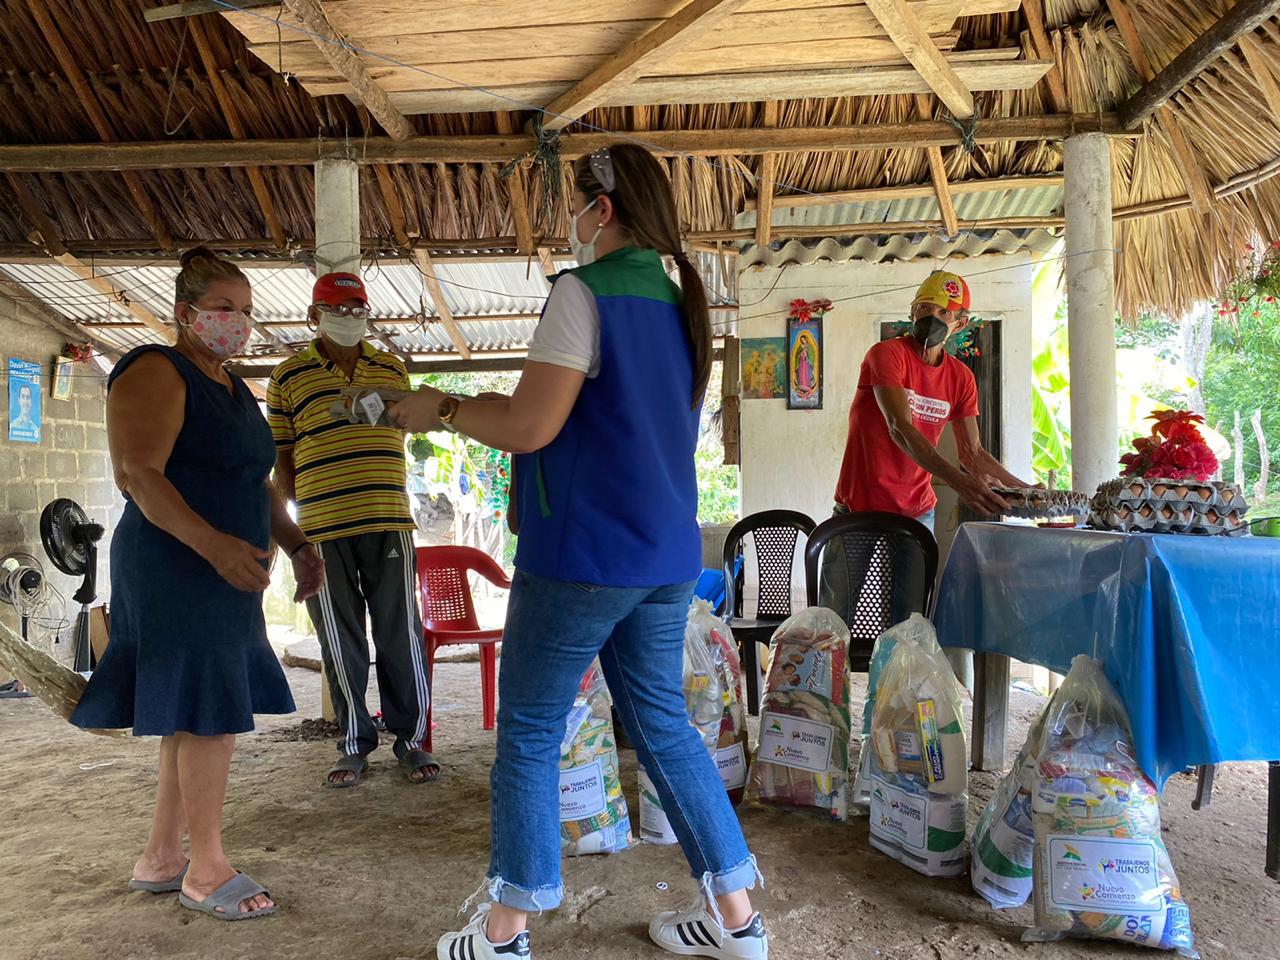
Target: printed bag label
{"x": 1104, "y": 875}
{"x": 582, "y": 794}
{"x": 731, "y": 761}
{"x": 898, "y": 815}
{"x": 793, "y": 742}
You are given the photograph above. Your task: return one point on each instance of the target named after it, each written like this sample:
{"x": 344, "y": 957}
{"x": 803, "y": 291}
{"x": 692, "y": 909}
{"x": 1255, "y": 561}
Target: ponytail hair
{"x": 646, "y": 211}
{"x": 200, "y": 268}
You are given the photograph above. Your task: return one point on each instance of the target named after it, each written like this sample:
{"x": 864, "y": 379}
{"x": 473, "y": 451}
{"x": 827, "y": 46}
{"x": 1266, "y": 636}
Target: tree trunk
{"x": 1264, "y": 459}
{"x": 1197, "y": 337}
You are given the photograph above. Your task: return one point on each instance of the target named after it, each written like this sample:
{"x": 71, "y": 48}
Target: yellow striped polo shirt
{"x": 348, "y": 478}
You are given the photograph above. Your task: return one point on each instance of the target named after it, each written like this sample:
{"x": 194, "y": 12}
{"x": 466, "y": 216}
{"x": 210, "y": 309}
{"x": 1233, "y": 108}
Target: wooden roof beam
{"x": 752, "y": 141}
{"x": 1193, "y": 174}
{"x": 43, "y": 227}
{"x": 765, "y": 181}
{"x": 428, "y": 269}
{"x": 343, "y": 58}
{"x": 938, "y": 173}
{"x": 693, "y": 20}
{"x": 199, "y": 8}
{"x": 1242, "y": 19}
{"x": 71, "y": 69}
{"x": 237, "y": 129}
{"x": 1033, "y": 10}
{"x": 517, "y": 196}
{"x": 112, "y": 292}
{"x": 912, "y": 39}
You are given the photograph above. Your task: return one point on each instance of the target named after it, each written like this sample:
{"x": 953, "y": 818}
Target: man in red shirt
{"x": 909, "y": 389}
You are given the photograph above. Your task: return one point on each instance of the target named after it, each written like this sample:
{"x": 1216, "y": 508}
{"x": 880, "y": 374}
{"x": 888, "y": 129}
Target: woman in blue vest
{"x": 605, "y": 423}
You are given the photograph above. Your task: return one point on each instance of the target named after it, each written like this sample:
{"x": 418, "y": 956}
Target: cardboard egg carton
{"x": 1035, "y": 503}
{"x": 365, "y": 405}
{"x": 1135, "y": 504}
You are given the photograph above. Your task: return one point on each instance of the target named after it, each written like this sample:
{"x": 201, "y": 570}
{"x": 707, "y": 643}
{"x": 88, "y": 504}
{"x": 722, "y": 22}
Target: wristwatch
{"x": 447, "y": 410}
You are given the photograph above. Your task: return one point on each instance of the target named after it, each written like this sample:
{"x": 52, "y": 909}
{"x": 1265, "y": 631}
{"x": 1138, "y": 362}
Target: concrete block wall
{"x": 70, "y": 461}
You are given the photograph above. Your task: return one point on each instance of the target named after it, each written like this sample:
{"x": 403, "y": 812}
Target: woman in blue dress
{"x": 188, "y": 659}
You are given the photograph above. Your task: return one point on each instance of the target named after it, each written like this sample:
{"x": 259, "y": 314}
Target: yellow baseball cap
{"x": 945, "y": 289}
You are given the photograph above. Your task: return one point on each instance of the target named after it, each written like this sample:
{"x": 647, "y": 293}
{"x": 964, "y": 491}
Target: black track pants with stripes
{"x": 374, "y": 573}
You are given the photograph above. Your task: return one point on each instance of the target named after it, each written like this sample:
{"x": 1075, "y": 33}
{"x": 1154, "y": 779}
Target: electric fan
{"x": 23, "y": 587}
{"x": 71, "y": 540}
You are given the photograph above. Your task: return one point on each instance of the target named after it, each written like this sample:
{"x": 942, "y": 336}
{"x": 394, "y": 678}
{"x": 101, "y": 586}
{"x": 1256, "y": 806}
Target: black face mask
{"x": 929, "y": 331}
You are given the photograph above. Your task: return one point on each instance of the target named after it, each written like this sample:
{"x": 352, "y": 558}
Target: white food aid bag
{"x": 1004, "y": 838}
{"x": 593, "y": 811}
{"x": 703, "y": 682}
{"x": 917, "y": 759}
{"x": 1100, "y": 868}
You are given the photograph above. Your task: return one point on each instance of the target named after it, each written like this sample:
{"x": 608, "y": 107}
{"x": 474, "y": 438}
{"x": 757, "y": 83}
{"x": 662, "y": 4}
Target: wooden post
{"x": 1237, "y": 446}
{"x": 1264, "y": 459}
{"x": 326, "y": 701}
{"x": 730, "y": 392}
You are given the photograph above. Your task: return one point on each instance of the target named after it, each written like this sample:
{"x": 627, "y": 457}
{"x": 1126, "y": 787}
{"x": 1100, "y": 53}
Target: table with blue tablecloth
{"x": 1187, "y": 628}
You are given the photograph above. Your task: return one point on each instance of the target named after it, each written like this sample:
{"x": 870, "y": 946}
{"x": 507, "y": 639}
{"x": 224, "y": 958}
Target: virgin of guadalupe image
{"x": 804, "y": 359}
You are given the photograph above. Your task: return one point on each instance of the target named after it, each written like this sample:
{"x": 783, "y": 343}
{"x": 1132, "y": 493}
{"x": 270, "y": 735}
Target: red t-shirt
{"x": 876, "y": 473}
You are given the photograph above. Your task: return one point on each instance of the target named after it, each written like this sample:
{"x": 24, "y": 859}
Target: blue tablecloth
{"x": 1188, "y": 628}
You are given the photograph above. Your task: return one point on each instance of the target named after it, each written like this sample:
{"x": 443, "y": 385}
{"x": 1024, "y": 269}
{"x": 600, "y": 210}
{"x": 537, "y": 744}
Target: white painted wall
{"x": 791, "y": 458}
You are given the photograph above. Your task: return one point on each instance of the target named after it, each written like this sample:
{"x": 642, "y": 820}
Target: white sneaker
{"x": 471, "y": 943}
{"x": 695, "y": 933}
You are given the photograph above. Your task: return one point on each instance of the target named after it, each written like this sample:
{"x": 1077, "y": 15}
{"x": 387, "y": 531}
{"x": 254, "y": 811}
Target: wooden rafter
{"x": 753, "y": 141}
{"x": 198, "y": 8}
{"x": 765, "y": 181}
{"x": 912, "y": 39}
{"x": 1266, "y": 72}
{"x": 546, "y": 261}
{"x": 1243, "y": 18}
{"x": 938, "y": 173}
{"x": 71, "y": 69}
{"x": 1034, "y": 12}
{"x": 113, "y": 293}
{"x": 74, "y": 332}
{"x": 39, "y": 221}
{"x": 692, "y": 21}
{"x": 235, "y": 125}
{"x": 912, "y": 191}
{"x": 391, "y": 200}
{"x": 428, "y": 270}
{"x": 344, "y": 60}
{"x": 517, "y": 196}
{"x": 1188, "y": 165}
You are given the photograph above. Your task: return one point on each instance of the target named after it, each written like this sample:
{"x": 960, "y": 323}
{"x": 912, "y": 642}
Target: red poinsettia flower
{"x": 800, "y": 310}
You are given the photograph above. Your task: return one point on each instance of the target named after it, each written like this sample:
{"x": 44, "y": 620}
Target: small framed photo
{"x": 63, "y": 371}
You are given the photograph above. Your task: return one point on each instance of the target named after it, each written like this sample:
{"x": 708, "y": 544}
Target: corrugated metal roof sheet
{"x": 472, "y": 290}
{"x": 882, "y": 249}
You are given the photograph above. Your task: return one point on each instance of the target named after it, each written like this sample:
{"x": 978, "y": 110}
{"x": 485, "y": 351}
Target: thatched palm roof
{"x": 151, "y": 82}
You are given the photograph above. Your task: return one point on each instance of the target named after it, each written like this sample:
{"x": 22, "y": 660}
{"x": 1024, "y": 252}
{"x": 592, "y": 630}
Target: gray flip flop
{"x": 160, "y": 886}
{"x": 350, "y": 763}
{"x": 229, "y": 896}
{"x": 415, "y": 760}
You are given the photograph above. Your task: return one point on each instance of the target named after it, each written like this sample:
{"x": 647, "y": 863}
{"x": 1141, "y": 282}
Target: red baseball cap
{"x": 337, "y": 288}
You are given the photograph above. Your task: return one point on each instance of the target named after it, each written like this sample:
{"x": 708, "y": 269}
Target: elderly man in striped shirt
{"x": 348, "y": 483}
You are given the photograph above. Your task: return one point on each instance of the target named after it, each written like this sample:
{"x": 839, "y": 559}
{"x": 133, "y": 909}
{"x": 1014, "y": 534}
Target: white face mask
{"x": 344, "y": 331}
{"x": 584, "y": 253}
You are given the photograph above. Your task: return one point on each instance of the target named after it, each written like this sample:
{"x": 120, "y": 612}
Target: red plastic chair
{"x": 449, "y": 616}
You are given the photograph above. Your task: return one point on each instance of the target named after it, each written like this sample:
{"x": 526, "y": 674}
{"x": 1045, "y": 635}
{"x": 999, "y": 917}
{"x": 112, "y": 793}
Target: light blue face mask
{"x": 584, "y": 253}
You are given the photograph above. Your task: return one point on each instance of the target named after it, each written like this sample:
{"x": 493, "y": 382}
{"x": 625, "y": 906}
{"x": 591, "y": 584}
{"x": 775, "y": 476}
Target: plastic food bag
{"x": 593, "y": 811}
{"x": 1004, "y": 839}
{"x": 712, "y": 694}
{"x": 915, "y": 629}
{"x": 1101, "y": 870}
{"x": 918, "y": 760}
{"x": 802, "y": 759}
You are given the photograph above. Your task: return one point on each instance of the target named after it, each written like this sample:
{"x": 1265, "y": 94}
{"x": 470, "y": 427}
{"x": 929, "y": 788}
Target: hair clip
{"x": 602, "y": 166}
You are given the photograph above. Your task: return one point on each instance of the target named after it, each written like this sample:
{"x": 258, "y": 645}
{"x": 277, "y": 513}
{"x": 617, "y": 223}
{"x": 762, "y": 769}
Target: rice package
{"x": 802, "y": 759}
{"x": 593, "y": 811}
{"x": 1004, "y": 838}
{"x": 918, "y": 760}
{"x": 712, "y": 685}
{"x": 915, "y": 629}
{"x": 1100, "y": 868}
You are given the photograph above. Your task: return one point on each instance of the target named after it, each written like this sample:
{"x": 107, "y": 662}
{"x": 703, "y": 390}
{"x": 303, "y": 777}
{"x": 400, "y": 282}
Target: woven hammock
{"x": 58, "y": 686}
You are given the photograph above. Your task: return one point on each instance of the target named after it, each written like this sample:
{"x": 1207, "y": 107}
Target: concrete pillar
{"x": 1090, "y": 274}
{"x": 337, "y": 217}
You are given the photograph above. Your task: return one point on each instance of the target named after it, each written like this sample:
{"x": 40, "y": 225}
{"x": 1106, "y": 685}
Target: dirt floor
{"x": 376, "y": 873}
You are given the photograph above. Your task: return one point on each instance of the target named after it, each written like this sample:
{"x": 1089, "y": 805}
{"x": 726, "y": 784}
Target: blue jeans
{"x": 554, "y": 630}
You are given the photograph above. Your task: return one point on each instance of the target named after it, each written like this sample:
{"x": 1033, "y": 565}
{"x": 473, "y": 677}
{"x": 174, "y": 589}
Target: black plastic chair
{"x": 774, "y": 533}
{"x": 891, "y": 563}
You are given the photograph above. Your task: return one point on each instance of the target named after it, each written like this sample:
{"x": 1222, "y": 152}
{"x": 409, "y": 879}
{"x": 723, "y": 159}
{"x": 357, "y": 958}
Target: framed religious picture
{"x": 764, "y": 368}
{"x": 804, "y": 354}
{"x": 63, "y": 371}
